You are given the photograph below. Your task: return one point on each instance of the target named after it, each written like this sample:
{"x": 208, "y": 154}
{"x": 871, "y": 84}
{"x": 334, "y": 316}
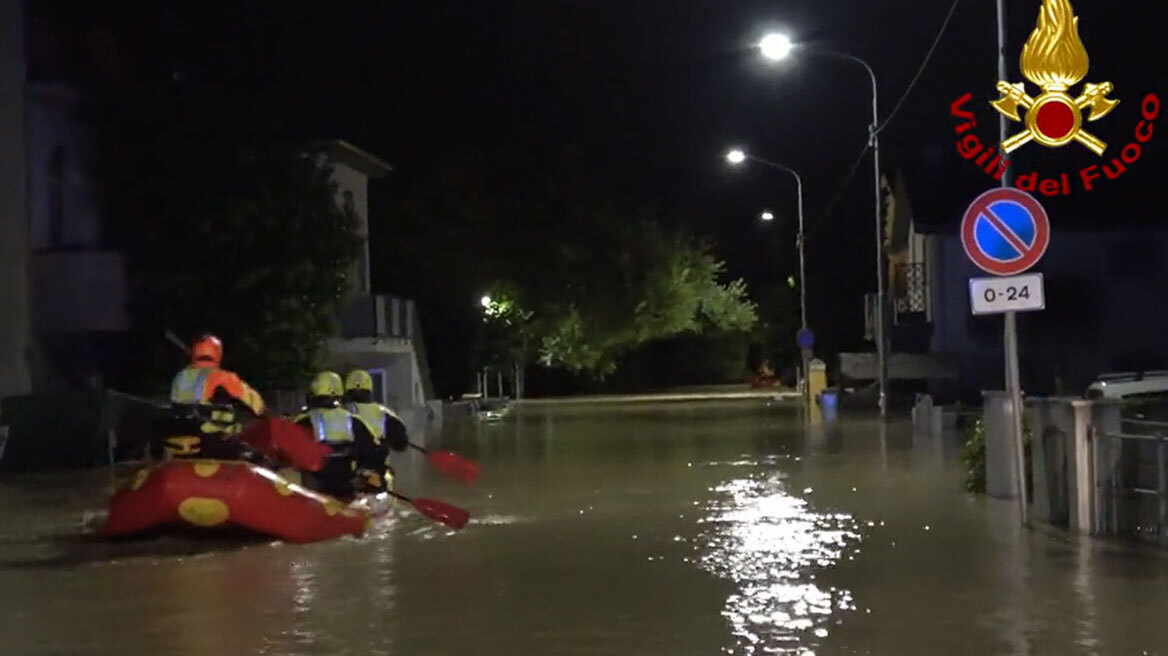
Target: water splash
{"x": 772, "y": 545}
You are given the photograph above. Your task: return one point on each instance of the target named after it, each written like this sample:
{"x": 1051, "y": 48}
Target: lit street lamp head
{"x": 485, "y": 301}
{"x": 775, "y": 46}
{"x": 736, "y": 156}
{"x": 767, "y": 216}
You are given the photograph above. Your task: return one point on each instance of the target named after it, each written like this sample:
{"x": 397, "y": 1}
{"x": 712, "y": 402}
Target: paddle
{"x": 438, "y": 511}
{"x": 451, "y": 464}
{"x": 286, "y": 442}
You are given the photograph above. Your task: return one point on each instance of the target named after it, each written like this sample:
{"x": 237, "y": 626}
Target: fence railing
{"x": 1132, "y": 479}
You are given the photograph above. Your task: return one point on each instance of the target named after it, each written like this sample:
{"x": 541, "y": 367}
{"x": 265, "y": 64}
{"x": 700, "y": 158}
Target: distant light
{"x": 736, "y": 156}
{"x": 767, "y": 216}
{"x": 775, "y": 46}
{"x": 485, "y": 301}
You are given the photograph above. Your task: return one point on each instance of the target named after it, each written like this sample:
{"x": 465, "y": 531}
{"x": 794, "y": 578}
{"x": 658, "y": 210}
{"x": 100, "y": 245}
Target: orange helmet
{"x": 208, "y": 349}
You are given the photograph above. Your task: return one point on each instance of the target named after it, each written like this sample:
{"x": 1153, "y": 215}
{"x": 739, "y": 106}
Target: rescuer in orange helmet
{"x": 207, "y": 400}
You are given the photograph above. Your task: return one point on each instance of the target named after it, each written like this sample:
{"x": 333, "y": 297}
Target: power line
{"x": 843, "y": 186}
{"x": 839, "y": 192}
{"x": 921, "y": 69}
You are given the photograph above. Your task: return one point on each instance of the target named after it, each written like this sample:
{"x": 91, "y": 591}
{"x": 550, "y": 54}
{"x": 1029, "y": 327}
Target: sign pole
{"x": 1010, "y": 338}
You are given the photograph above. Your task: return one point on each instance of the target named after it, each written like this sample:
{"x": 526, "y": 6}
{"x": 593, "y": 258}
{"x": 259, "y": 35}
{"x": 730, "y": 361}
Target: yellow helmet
{"x": 358, "y": 380}
{"x": 326, "y": 383}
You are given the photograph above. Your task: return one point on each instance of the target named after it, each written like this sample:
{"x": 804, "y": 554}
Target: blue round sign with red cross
{"x": 1005, "y": 231}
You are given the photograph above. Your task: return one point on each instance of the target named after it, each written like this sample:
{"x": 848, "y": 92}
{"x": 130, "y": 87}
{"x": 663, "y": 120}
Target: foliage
{"x": 973, "y": 457}
{"x": 621, "y": 288}
{"x": 229, "y": 229}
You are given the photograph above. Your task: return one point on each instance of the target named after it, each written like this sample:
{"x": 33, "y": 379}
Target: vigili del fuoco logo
{"x": 1054, "y": 60}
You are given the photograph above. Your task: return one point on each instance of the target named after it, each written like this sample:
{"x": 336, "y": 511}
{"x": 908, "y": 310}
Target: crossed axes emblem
{"x": 1094, "y": 98}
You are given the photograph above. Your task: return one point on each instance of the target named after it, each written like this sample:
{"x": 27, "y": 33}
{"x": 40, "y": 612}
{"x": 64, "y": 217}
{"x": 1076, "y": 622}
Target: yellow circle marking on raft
{"x": 140, "y": 479}
{"x": 202, "y": 511}
{"x": 206, "y": 469}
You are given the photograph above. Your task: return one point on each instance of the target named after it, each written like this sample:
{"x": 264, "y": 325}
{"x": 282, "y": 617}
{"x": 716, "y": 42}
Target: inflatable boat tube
{"x": 210, "y": 494}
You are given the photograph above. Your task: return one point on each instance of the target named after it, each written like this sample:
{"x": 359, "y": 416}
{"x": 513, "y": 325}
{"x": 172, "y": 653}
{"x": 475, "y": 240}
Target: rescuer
{"x": 355, "y": 450}
{"x": 208, "y": 401}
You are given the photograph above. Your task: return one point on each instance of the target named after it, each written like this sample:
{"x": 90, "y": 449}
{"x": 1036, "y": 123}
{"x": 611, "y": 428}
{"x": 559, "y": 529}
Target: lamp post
{"x": 737, "y": 157}
{"x": 779, "y": 46}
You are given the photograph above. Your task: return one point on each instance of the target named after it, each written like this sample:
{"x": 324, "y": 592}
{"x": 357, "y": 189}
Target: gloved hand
{"x": 368, "y": 479}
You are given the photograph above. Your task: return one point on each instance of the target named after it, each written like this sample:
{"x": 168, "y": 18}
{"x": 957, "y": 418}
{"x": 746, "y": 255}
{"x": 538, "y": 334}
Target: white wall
{"x": 14, "y": 294}
{"x": 356, "y": 183}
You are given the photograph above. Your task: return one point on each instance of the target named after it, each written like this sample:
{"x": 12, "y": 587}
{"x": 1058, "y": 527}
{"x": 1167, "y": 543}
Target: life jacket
{"x": 332, "y": 425}
{"x": 373, "y": 414}
{"x": 190, "y": 392}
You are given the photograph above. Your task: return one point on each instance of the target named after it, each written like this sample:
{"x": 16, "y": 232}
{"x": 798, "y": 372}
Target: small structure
{"x": 378, "y": 333}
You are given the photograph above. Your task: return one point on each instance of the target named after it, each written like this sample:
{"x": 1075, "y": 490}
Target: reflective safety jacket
{"x": 205, "y": 400}
{"x": 385, "y": 425}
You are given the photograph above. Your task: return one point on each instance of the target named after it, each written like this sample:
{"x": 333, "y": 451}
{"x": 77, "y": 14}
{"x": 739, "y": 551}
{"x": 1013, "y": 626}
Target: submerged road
{"x": 638, "y": 529}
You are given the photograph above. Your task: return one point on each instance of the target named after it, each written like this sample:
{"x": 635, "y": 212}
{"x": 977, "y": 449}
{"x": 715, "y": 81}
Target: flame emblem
{"x": 1054, "y": 59}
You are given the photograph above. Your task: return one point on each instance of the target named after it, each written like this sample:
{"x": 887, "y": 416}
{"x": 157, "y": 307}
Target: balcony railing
{"x": 378, "y": 315}
{"x": 909, "y": 291}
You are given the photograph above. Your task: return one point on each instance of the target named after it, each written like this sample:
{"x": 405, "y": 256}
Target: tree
{"x": 617, "y": 286}
{"x": 229, "y": 229}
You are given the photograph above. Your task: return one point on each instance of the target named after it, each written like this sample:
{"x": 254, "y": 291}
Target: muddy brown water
{"x": 699, "y": 528}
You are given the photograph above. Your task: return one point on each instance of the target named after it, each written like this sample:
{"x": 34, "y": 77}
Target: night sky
{"x": 644, "y": 97}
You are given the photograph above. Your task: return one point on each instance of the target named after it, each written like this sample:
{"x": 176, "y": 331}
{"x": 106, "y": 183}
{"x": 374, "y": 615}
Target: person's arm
{"x": 242, "y": 394}
{"x": 396, "y": 436}
{"x": 370, "y": 454}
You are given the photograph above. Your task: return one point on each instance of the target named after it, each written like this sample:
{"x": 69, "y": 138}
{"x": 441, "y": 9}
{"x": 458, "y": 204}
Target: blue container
{"x": 829, "y": 400}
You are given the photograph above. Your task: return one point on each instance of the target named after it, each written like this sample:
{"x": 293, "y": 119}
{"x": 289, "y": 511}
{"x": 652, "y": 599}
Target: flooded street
{"x": 651, "y": 530}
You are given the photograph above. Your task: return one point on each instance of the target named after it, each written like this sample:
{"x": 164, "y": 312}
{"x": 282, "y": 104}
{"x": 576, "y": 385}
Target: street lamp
{"x": 775, "y": 46}
{"x": 778, "y": 46}
{"x": 767, "y": 216}
{"x": 738, "y": 156}
{"x": 485, "y": 301}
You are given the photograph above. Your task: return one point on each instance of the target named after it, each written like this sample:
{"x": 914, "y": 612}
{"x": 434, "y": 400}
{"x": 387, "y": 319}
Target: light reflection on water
{"x": 771, "y": 545}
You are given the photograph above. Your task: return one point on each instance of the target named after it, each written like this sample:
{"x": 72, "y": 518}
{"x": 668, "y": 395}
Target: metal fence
{"x": 1132, "y": 480}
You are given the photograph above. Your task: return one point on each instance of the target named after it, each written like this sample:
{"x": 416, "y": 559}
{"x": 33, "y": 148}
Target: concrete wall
{"x": 63, "y": 207}
{"x": 14, "y": 293}
{"x": 1105, "y": 310}
{"x": 356, "y": 183}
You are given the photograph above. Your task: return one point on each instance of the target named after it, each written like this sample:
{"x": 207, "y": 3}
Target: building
{"x": 15, "y": 330}
{"x": 381, "y": 334}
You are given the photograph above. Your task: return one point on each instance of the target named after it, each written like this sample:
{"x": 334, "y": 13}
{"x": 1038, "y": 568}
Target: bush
{"x": 973, "y": 457}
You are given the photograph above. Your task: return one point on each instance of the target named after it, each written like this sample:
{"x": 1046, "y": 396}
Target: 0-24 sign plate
{"x": 996, "y": 295}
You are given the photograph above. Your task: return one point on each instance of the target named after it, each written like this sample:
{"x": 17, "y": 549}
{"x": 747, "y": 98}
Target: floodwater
{"x": 711, "y": 528}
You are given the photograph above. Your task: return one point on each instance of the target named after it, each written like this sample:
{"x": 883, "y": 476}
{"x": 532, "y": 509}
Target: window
{"x": 378, "y": 376}
{"x": 56, "y": 198}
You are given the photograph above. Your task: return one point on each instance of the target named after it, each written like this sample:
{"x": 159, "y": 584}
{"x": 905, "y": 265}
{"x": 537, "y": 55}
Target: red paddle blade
{"x": 287, "y": 442}
{"x": 442, "y": 512}
{"x": 454, "y": 466}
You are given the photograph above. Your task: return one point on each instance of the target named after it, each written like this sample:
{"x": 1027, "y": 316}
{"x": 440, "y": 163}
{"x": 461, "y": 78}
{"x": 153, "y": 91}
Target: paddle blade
{"x": 445, "y": 513}
{"x": 287, "y": 442}
{"x": 454, "y": 466}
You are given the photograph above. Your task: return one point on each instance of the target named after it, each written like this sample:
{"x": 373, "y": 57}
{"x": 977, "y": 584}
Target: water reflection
{"x": 771, "y": 545}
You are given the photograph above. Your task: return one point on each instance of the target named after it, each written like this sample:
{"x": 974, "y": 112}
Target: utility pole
{"x": 1010, "y": 338}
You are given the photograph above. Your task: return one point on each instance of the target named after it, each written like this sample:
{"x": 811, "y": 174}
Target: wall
{"x": 14, "y": 293}
{"x": 1105, "y": 310}
{"x": 354, "y": 182}
{"x": 62, "y": 204}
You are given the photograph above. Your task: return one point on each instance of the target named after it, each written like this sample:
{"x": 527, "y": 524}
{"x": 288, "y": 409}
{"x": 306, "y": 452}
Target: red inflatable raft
{"x": 219, "y": 494}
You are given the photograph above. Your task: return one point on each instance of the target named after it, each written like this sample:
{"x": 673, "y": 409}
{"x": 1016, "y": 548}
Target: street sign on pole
{"x": 805, "y": 338}
{"x": 1000, "y": 295}
{"x": 1005, "y": 231}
